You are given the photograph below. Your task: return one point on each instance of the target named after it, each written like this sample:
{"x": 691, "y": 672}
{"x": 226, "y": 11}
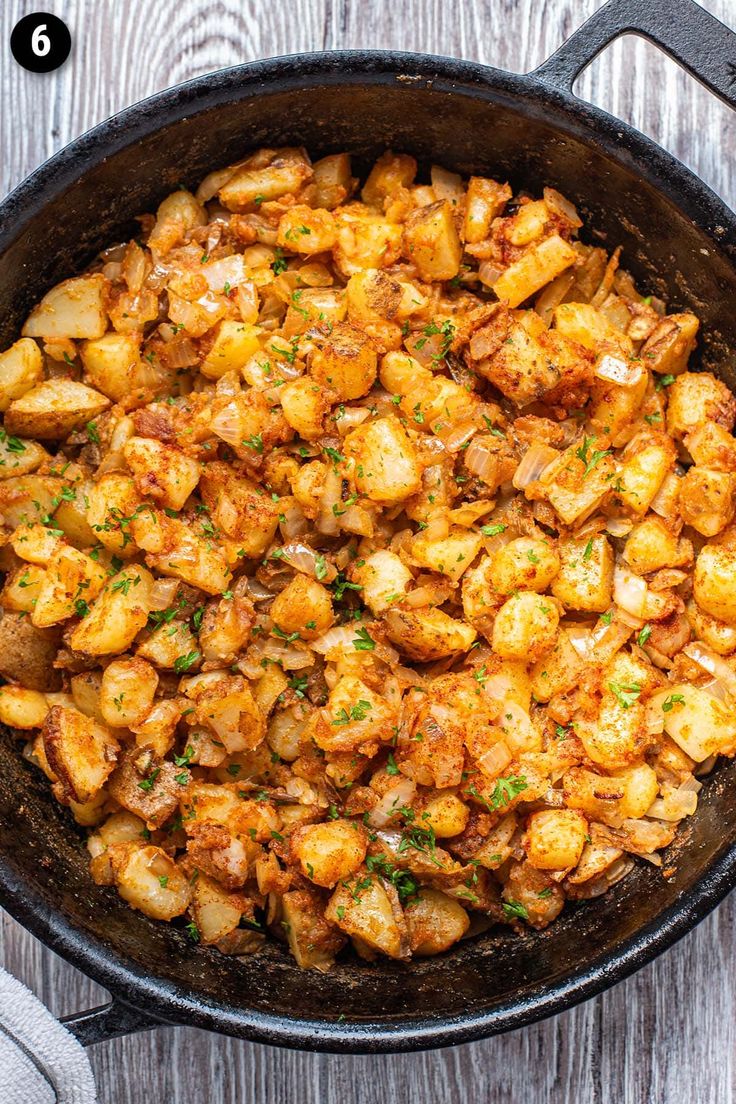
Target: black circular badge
{"x": 40, "y": 42}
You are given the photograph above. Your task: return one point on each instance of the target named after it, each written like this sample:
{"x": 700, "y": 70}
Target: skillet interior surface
{"x": 470, "y": 120}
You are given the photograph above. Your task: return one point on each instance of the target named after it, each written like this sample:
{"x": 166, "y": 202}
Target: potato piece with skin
{"x": 585, "y": 579}
{"x": 21, "y": 368}
{"x": 391, "y": 172}
{"x": 555, "y": 839}
{"x": 427, "y": 634}
{"x": 368, "y": 913}
{"x": 21, "y": 708}
{"x": 346, "y": 363}
{"x": 306, "y": 230}
{"x": 80, "y": 752}
{"x": 162, "y": 471}
{"x": 150, "y": 881}
{"x": 174, "y": 549}
{"x": 720, "y": 637}
{"x": 431, "y": 242}
{"x": 707, "y": 499}
{"x": 651, "y": 545}
{"x": 53, "y": 409}
{"x": 714, "y": 582}
{"x": 329, "y": 853}
{"x": 148, "y": 786}
{"x": 536, "y": 267}
{"x": 699, "y": 723}
{"x": 72, "y": 577}
{"x": 127, "y": 691}
{"x": 85, "y": 690}
{"x": 696, "y": 398}
{"x": 303, "y": 603}
{"x": 387, "y": 468}
{"x": 305, "y": 405}
{"x": 485, "y": 201}
{"x": 450, "y": 556}
{"x": 669, "y": 345}
{"x": 72, "y": 309}
{"x": 435, "y": 922}
{"x": 117, "y": 614}
{"x": 312, "y": 940}
{"x": 524, "y": 564}
{"x": 525, "y": 626}
{"x": 27, "y": 654}
{"x": 383, "y": 577}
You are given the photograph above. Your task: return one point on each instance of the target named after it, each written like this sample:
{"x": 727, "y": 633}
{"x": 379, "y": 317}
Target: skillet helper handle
{"x": 691, "y": 36}
{"x": 108, "y": 1021}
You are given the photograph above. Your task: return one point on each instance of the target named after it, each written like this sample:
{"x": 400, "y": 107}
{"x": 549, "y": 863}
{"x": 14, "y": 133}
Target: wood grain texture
{"x": 666, "y": 1036}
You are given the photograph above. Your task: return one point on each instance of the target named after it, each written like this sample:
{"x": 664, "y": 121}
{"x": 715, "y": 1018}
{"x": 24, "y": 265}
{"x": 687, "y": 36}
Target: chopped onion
{"x": 534, "y": 461}
{"x": 675, "y": 805}
{"x": 457, "y": 435}
{"x": 327, "y": 520}
{"x": 630, "y": 591}
{"x": 494, "y": 761}
{"x": 257, "y": 591}
{"x": 489, "y": 272}
{"x": 350, "y": 417}
{"x": 227, "y": 424}
{"x": 303, "y": 558}
{"x": 467, "y": 514}
{"x": 446, "y": 184}
{"x": 162, "y": 593}
{"x": 433, "y": 594}
{"x": 619, "y": 527}
{"x": 338, "y": 640}
{"x": 357, "y": 520}
{"x": 581, "y": 639}
{"x": 482, "y": 462}
{"x": 613, "y": 369}
{"x": 666, "y": 500}
{"x": 714, "y": 664}
{"x": 437, "y": 527}
{"x": 294, "y": 524}
{"x": 401, "y": 794}
{"x": 562, "y": 206}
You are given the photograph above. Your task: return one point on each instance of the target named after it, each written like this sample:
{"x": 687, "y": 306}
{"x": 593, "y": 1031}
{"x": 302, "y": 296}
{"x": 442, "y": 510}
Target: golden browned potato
{"x": 555, "y": 839}
{"x": 536, "y": 267}
{"x": 431, "y": 242}
{"x": 150, "y": 881}
{"x": 80, "y": 752}
{"x": 525, "y": 626}
{"x": 27, "y": 653}
{"x": 73, "y": 309}
{"x": 303, "y": 607}
{"x": 21, "y": 368}
{"x": 117, "y": 615}
{"x": 161, "y": 472}
{"x": 346, "y": 363}
{"x": 435, "y": 922}
{"x": 427, "y": 634}
{"x": 362, "y": 908}
{"x": 53, "y": 409}
{"x": 127, "y": 691}
{"x": 696, "y": 398}
{"x": 329, "y": 853}
{"x": 585, "y": 578}
{"x": 524, "y": 564}
{"x": 386, "y": 464}
{"x": 714, "y": 582}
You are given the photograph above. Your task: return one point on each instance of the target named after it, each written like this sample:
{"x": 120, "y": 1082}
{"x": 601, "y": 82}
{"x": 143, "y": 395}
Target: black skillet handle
{"x": 109, "y": 1021}
{"x": 688, "y": 33}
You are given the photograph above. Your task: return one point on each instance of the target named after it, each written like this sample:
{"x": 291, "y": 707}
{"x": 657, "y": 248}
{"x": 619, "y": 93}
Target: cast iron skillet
{"x": 678, "y": 239}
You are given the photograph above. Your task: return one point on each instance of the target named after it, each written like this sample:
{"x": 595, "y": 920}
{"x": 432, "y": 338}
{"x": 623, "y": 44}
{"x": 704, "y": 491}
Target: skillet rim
{"x": 530, "y": 94}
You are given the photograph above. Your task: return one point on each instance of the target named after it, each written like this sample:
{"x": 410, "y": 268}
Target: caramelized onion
{"x": 536, "y": 458}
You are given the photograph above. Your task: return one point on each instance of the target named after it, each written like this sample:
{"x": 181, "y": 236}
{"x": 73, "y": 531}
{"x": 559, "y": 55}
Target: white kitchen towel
{"x": 40, "y": 1061}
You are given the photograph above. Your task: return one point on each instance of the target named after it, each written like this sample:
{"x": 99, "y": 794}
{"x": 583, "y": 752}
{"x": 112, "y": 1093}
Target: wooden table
{"x": 669, "y": 1033}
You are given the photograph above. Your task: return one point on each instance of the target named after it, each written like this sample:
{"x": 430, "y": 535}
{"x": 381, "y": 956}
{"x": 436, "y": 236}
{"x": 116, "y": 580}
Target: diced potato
{"x": 312, "y": 940}
{"x": 21, "y": 708}
{"x": 431, "y": 241}
{"x": 333, "y": 180}
{"x": 286, "y": 171}
{"x": 668, "y": 347}
{"x": 525, "y": 626}
{"x": 446, "y": 814}
{"x": 614, "y": 407}
{"x": 581, "y": 322}
{"x": 373, "y": 301}
{"x": 21, "y": 368}
{"x": 21, "y": 589}
{"x": 27, "y": 654}
{"x": 34, "y": 543}
{"x": 578, "y": 481}
{"x": 113, "y": 503}
{"x": 428, "y": 634}
{"x": 707, "y": 499}
{"x": 485, "y": 201}
{"x": 150, "y": 881}
{"x": 384, "y": 578}
{"x": 71, "y": 515}
{"x": 714, "y": 582}
{"x": 365, "y": 240}
{"x": 238, "y": 509}
{"x": 19, "y": 457}
{"x": 216, "y": 911}
{"x": 524, "y": 564}
{"x": 619, "y": 736}
{"x": 114, "y": 366}
{"x": 355, "y": 715}
{"x": 235, "y": 343}
{"x": 585, "y": 579}
{"x": 167, "y": 643}
{"x": 329, "y": 853}
{"x": 641, "y": 786}
{"x": 235, "y": 719}
{"x": 74, "y": 308}
{"x": 696, "y": 398}
{"x": 435, "y": 922}
{"x": 652, "y": 545}
{"x": 391, "y": 172}
{"x": 305, "y": 230}
{"x": 720, "y": 637}
{"x": 173, "y": 548}
{"x": 400, "y": 373}
{"x": 54, "y": 408}
{"x": 117, "y": 615}
{"x": 158, "y": 728}
{"x": 450, "y": 556}
{"x": 80, "y": 752}
{"x": 304, "y": 607}
{"x": 72, "y": 580}
{"x": 26, "y": 499}
{"x": 536, "y": 267}
{"x": 712, "y": 446}
{"x": 558, "y": 670}
{"x": 642, "y": 473}
{"x": 85, "y": 688}
{"x": 699, "y": 723}
{"x": 127, "y": 691}
{"x": 555, "y": 839}
{"x": 162, "y": 472}
{"x": 305, "y": 405}
{"x": 368, "y": 913}
{"x": 177, "y": 214}
{"x": 346, "y": 364}
{"x": 386, "y": 464}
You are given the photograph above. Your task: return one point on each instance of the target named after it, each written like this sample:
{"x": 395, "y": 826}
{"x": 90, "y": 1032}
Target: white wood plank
{"x": 667, "y": 1035}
